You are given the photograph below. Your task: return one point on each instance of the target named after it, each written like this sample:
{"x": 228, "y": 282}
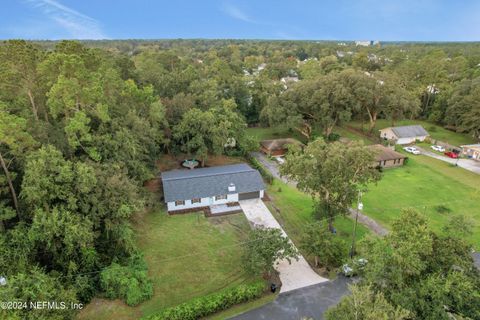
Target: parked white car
{"x": 412, "y": 150}
{"x": 438, "y": 148}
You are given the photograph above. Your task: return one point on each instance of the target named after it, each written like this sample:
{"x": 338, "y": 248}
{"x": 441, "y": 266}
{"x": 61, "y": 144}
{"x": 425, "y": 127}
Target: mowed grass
{"x": 296, "y": 211}
{"x": 436, "y": 132}
{"x": 188, "y": 256}
{"x": 426, "y": 184}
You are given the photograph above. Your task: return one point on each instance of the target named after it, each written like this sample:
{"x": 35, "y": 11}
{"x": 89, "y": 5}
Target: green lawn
{"x": 188, "y": 256}
{"x": 344, "y": 133}
{"x": 296, "y": 212}
{"x": 425, "y": 184}
{"x": 436, "y": 132}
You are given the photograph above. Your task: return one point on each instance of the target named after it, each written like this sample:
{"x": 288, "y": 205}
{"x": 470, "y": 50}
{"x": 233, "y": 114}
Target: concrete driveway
{"x": 294, "y": 275}
{"x": 309, "y": 302}
{"x": 467, "y": 164}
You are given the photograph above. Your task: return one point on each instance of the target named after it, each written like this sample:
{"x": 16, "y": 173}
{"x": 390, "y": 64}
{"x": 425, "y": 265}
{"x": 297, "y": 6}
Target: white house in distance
{"x": 404, "y": 134}
{"x": 207, "y": 187}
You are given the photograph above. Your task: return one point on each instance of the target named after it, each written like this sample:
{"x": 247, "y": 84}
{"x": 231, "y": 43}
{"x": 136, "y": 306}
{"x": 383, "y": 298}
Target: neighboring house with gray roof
{"x": 404, "y": 134}
{"x": 204, "y": 187}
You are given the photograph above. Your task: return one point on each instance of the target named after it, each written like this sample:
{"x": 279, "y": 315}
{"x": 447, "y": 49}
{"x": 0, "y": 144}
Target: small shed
{"x": 386, "y": 157}
{"x": 277, "y": 147}
{"x": 404, "y": 134}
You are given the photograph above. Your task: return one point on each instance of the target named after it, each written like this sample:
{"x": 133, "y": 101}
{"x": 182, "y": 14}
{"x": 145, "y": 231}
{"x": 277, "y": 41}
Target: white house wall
{"x": 204, "y": 202}
{"x": 410, "y": 140}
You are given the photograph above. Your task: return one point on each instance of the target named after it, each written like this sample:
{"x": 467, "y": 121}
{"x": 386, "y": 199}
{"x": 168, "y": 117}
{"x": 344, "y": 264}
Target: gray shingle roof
{"x": 209, "y": 182}
{"x": 410, "y": 131}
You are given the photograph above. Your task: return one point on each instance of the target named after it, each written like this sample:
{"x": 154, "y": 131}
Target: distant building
{"x": 362, "y": 43}
{"x": 386, "y": 157}
{"x": 366, "y": 43}
{"x": 277, "y": 147}
{"x": 404, "y": 134}
{"x": 471, "y": 151}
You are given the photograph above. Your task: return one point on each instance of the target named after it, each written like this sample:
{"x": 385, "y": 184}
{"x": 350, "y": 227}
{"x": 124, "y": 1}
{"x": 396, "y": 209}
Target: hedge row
{"x": 257, "y": 165}
{"x": 206, "y": 305}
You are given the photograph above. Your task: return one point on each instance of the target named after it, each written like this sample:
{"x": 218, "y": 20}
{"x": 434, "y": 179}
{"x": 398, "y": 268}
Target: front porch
{"x": 222, "y": 209}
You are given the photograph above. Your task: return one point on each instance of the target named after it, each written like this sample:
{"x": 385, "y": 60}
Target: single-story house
{"x": 386, "y": 157}
{"x": 277, "y": 147}
{"x": 404, "y": 134}
{"x": 471, "y": 151}
{"x": 205, "y": 187}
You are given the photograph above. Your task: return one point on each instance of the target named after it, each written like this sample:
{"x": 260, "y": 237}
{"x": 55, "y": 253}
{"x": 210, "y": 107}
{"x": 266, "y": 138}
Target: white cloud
{"x": 76, "y": 24}
{"x": 236, "y": 13}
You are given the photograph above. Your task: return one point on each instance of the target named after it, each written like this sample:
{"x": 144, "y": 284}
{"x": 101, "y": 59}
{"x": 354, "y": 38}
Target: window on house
{"x": 179, "y": 203}
{"x": 222, "y": 197}
{"x": 196, "y": 200}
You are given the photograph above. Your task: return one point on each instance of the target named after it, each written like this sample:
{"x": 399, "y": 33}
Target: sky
{"x": 384, "y": 20}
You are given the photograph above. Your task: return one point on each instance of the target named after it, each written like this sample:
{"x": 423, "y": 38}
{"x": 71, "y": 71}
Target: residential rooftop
{"x": 209, "y": 182}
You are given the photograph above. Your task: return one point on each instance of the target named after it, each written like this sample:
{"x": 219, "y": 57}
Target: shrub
{"x": 206, "y": 305}
{"x": 442, "y": 209}
{"x": 265, "y": 174}
{"x": 127, "y": 282}
{"x": 333, "y": 137}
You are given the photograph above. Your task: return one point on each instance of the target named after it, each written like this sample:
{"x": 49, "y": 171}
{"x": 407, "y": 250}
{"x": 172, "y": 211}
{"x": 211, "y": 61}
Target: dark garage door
{"x": 249, "y": 195}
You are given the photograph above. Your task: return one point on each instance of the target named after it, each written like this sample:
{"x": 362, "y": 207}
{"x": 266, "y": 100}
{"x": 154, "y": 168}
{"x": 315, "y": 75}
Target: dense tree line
{"x": 81, "y": 126}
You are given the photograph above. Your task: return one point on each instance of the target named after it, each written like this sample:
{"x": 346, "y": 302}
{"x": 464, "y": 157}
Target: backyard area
{"x": 435, "y": 188}
{"x": 197, "y": 256}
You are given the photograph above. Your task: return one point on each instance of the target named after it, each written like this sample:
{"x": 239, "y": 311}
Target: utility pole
{"x": 359, "y": 208}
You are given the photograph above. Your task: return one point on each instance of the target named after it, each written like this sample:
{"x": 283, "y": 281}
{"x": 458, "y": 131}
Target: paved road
{"x": 271, "y": 166}
{"x": 309, "y": 302}
{"x": 294, "y": 275}
{"x": 467, "y": 164}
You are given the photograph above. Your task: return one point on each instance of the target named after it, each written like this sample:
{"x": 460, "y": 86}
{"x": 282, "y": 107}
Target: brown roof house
{"x": 277, "y": 147}
{"x": 386, "y": 157}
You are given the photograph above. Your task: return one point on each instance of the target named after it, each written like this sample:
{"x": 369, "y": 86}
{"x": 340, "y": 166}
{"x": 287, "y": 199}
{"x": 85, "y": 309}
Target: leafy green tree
{"x": 203, "y": 132}
{"x": 432, "y": 276}
{"x": 463, "y": 112}
{"x": 19, "y": 75}
{"x": 265, "y": 248}
{"x": 332, "y": 173}
{"x": 14, "y": 137}
{"x": 325, "y": 102}
{"x": 365, "y": 304}
{"x": 327, "y": 248}
{"x": 381, "y": 94}
{"x": 129, "y": 282}
{"x": 36, "y": 286}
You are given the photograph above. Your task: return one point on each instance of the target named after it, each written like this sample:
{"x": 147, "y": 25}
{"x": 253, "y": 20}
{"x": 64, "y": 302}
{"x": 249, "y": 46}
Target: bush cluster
{"x": 129, "y": 282}
{"x": 267, "y": 176}
{"x": 206, "y": 305}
